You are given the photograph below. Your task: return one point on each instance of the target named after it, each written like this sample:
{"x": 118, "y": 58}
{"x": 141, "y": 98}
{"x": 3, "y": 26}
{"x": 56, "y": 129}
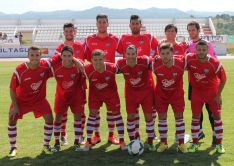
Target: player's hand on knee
{"x": 218, "y": 99}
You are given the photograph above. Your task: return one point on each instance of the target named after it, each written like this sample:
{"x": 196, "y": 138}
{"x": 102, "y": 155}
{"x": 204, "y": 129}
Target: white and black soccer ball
{"x": 135, "y": 148}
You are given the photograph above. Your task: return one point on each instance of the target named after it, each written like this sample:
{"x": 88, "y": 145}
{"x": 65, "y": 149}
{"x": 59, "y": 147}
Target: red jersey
{"x": 101, "y": 82}
{"x": 30, "y": 85}
{"x": 169, "y": 80}
{"x": 69, "y": 81}
{"x": 107, "y": 44}
{"x": 78, "y": 49}
{"x": 137, "y": 76}
{"x": 146, "y": 44}
{"x": 207, "y": 75}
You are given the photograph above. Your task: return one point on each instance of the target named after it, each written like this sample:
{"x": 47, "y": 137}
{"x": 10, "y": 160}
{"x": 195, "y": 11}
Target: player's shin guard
{"x": 12, "y": 134}
{"x": 136, "y": 121}
{"x": 218, "y": 128}
{"x": 90, "y": 127}
{"x": 64, "y": 126}
{"x": 162, "y": 128}
{"x": 150, "y": 131}
{"x": 131, "y": 129}
{"x": 195, "y": 126}
{"x": 180, "y": 129}
{"x": 110, "y": 120}
{"x": 97, "y": 125}
{"x": 120, "y": 126}
{"x": 48, "y": 130}
{"x": 57, "y": 129}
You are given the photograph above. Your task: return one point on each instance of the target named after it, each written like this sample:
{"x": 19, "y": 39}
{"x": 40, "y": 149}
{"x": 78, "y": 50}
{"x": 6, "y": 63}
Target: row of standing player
{"x": 146, "y": 45}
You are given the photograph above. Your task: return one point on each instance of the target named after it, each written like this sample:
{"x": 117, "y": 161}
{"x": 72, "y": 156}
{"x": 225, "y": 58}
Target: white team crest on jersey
{"x": 72, "y": 75}
{"x": 199, "y": 76}
{"x": 100, "y": 86}
{"x": 140, "y": 72}
{"x": 206, "y": 71}
{"x": 135, "y": 81}
{"x": 174, "y": 74}
{"x": 42, "y": 74}
{"x": 166, "y": 83}
{"x": 107, "y": 78}
{"x": 36, "y": 85}
{"x": 67, "y": 84}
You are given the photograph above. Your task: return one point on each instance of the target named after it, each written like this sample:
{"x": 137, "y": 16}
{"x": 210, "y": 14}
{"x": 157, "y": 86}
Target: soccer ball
{"x": 135, "y": 147}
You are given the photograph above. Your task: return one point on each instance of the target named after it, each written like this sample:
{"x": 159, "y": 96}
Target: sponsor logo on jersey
{"x": 166, "y": 83}
{"x": 100, "y": 86}
{"x": 67, "y": 84}
{"x": 72, "y": 75}
{"x": 42, "y": 74}
{"x": 199, "y": 76}
{"x": 206, "y": 71}
{"x": 135, "y": 81}
{"x": 36, "y": 85}
{"x": 107, "y": 78}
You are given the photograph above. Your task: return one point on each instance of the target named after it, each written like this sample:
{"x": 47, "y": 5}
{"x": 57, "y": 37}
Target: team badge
{"x": 107, "y": 78}
{"x": 176, "y": 52}
{"x": 174, "y": 74}
{"x": 42, "y": 74}
{"x": 107, "y": 45}
{"x": 206, "y": 71}
{"x": 72, "y": 75}
{"x": 142, "y": 42}
{"x": 78, "y": 52}
{"x": 139, "y": 72}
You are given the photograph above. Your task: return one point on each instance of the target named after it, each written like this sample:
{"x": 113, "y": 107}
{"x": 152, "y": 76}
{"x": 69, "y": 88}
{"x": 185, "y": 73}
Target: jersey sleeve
{"x": 87, "y": 52}
{"x": 154, "y": 46}
{"x": 14, "y": 80}
{"x": 221, "y": 74}
{"x": 55, "y": 59}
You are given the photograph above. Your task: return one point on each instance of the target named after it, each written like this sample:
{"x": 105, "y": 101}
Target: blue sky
{"x": 21, "y": 6}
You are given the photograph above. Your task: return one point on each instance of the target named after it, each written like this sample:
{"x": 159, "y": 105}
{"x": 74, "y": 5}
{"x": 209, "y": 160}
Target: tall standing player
{"x": 69, "y": 33}
{"x": 145, "y": 43}
{"x": 138, "y": 92}
{"x": 106, "y": 42}
{"x": 103, "y": 89}
{"x": 169, "y": 90}
{"x": 207, "y": 77}
{"x": 28, "y": 94}
{"x": 194, "y": 31}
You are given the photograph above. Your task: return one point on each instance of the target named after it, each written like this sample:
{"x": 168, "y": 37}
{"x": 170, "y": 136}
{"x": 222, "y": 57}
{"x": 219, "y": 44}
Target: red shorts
{"x": 40, "y": 108}
{"x": 136, "y": 97}
{"x": 76, "y": 103}
{"x": 199, "y": 98}
{"x": 111, "y": 100}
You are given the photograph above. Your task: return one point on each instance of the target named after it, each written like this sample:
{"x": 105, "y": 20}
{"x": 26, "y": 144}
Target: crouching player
{"x": 69, "y": 93}
{"x": 103, "y": 89}
{"x": 207, "y": 79}
{"x": 169, "y": 72}
{"x": 28, "y": 94}
{"x": 138, "y": 91}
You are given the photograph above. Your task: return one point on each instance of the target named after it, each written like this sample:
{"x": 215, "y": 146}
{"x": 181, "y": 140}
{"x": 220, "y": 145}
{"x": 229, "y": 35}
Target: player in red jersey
{"x": 103, "y": 89}
{"x": 69, "y": 93}
{"x": 69, "y": 33}
{"x": 138, "y": 91}
{"x": 169, "y": 90}
{"x": 207, "y": 77}
{"x": 106, "y": 42}
{"x": 145, "y": 43}
{"x": 170, "y": 32}
{"x": 193, "y": 28}
{"x": 28, "y": 94}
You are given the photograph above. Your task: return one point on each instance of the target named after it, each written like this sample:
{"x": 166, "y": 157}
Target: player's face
{"x": 34, "y": 57}
{"x": 102, "y": 25}
{"x": 193, "y": 32}
{"x": 170, "y": 34}
{"x": 98, "y": 61}
{"x": 202, "y": 51}
{"x": 69, "y": 33}
{"x": 166, "y": 55}
{"x": 135, "y": 27}
{"x": 131, "y": 55}
{"x": 67, "y": 58}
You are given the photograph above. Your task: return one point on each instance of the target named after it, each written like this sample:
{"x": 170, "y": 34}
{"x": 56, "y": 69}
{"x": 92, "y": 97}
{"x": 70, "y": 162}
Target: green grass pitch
{"x": 30, "y": 134}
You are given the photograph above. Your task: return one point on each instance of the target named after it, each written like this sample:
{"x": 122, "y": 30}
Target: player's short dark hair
{"x": 165, "y": 45}
{"x": 202, "y": 43}
{"x": 97, "y": 52}
{"x": 99, "y": 16}
{"x": 68, "y": 25}
{"x": 131, "y": 47}
{"x": 34, "y": 48}
{"x": 67, "y": 48}
{"x": 170, "y": 26}
{"x": 194, "y": 23}
{"x": 135, "y": 17}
